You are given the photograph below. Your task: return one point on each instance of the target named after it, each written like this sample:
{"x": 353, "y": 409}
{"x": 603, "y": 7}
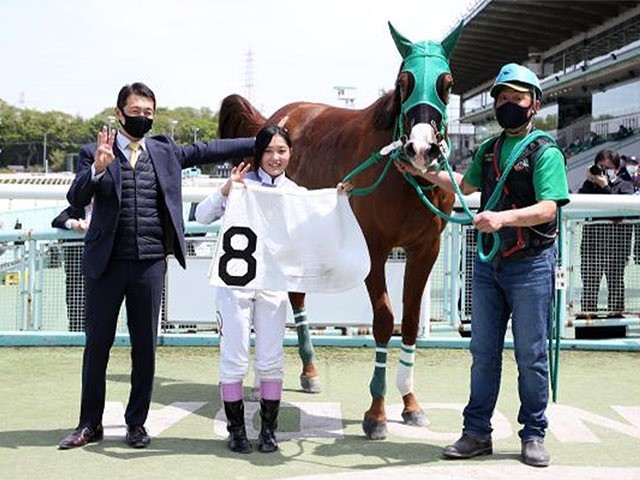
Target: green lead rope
{"x": 392, "y": 152}
{"x": 491, "y": 203}
{"x": 372, "y": 160}
{"x": 464, "y": 220}
{"x": 555, "y": 321}
{"x": 397, "y": 153}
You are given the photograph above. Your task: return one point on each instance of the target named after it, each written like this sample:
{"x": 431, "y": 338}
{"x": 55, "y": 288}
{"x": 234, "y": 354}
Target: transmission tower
{"x": 248, "y": 76}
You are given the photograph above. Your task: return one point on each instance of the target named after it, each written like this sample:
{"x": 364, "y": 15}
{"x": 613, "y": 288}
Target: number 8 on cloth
{"x": 289, "y": 240}
{"x": 236, "y": 258}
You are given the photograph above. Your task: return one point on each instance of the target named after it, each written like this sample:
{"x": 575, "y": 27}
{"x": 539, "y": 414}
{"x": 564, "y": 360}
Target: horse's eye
{"x": 406, "y": 84}
{"x": 444, "y": 84}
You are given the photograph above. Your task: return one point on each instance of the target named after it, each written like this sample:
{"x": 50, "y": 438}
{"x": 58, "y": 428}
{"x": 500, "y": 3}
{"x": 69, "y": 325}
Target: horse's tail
{"x": 238, "y": 118}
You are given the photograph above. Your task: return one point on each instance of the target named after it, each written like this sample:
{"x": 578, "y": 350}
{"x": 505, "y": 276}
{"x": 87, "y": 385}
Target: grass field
{"x": 40, "y": 396}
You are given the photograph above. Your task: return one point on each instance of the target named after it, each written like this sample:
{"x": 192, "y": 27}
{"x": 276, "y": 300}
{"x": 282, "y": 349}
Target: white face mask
{"x": 632, "y": 169}
{"x": 611, "y": 173}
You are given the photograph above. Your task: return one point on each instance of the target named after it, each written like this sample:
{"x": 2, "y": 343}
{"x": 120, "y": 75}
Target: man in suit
{"x": 135, "y": 183}
{"x": 77, "y": 219}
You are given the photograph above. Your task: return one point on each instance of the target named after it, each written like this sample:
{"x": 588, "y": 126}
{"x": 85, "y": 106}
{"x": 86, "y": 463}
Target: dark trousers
{"x": 140, "y": 284}
{"x": 593, "y": 268}
{"x": 604, "y": 251}
{"x": 74, "y": 289}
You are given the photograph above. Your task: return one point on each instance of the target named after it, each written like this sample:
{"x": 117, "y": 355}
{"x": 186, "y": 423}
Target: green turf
{"x": 40, "y": 394}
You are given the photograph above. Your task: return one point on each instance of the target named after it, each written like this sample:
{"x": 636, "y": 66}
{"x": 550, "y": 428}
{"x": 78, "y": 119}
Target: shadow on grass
{"x": 337, "y": 453}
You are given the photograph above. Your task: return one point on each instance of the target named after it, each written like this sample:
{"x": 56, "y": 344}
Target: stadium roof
{"x": 503, "y": 31}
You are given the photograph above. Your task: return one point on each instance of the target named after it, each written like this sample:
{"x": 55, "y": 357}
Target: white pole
{"x": 44, "y": 154}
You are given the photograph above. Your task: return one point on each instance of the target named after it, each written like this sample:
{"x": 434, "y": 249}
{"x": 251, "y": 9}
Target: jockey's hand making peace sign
{"x": 237, "y": 175}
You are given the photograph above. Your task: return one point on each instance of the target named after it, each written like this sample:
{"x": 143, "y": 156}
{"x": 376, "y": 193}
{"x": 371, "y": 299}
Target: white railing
{"x": 32, "y": 289}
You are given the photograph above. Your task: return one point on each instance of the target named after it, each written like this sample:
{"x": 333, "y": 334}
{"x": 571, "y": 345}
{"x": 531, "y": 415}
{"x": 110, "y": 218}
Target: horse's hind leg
{"x": 374, "y": 424}
{"x": 309, "y": 378}
{"x": 417, "y": 270}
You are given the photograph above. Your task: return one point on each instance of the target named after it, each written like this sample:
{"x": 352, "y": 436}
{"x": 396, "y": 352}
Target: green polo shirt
{"x": 549, "y": 173}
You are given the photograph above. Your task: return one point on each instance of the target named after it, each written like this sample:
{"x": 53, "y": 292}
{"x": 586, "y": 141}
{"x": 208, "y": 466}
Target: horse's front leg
{"x": 417, "y": 269}
{"x": 374, "y": 424}
{"x": 309, "y": 378}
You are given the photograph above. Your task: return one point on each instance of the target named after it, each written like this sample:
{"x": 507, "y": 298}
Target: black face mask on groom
{"x": 511, "y": 115}
{"x": 136, "y": 126}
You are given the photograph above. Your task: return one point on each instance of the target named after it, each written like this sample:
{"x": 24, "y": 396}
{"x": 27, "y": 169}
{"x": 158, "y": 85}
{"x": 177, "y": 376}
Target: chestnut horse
{"x": 328, "y": 143}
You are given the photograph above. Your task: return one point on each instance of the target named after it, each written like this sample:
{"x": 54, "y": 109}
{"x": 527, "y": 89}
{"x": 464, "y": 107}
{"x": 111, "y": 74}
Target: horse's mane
{"x": 238, "y": 118}
{"x": 387, "y": 109}
{"x": 388, "y": 106}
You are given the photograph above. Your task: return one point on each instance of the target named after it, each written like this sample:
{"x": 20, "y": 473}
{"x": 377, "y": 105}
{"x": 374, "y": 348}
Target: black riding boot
{"x": 269, "y": 416}
{"x": 238, "y": 441}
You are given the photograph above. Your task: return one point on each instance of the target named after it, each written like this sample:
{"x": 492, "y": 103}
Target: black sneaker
{"x": 534, "y": 453}
{"x": 137, "y": 436}
{"x": 467, "y": 446}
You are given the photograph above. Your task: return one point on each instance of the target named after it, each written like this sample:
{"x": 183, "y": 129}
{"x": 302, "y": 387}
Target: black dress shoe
{"x": 467, "y": 446}
{"x": 82, "y": 436}
{"x": 534, "y": 453}
{"x": 137, "y": 436}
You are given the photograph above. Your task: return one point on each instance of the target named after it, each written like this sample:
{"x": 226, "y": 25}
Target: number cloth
{"x": 289, "y": 240}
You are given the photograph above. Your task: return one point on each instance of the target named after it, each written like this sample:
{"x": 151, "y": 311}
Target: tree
{"x": 22, "y": 132}
{"x": 550, "y": 122}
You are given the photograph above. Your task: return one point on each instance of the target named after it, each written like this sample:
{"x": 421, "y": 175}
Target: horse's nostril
{"x": 409, "y": 150}
{"x": 434, "y": 151}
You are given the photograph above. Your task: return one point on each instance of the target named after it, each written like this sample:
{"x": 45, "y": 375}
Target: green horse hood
{"x": 426, "y": 61}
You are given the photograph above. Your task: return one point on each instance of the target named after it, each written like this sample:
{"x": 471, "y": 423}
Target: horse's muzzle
{"x": 430, "y": 152}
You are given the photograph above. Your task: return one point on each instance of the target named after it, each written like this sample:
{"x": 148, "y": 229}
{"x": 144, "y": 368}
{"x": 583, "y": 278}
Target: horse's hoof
{"x": 254, "y": 394}
{"x": 310, "y": 384}
{"x": 415, "y": 419}
{"x": 374, "y": 430}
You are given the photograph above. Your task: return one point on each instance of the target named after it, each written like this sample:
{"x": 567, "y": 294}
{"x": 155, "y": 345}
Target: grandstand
{"x": 586, "y": 54}
{"x": 587, "y": 57}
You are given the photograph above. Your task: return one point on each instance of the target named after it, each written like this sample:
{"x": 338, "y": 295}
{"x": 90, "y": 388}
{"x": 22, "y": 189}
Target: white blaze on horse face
{"x": 422, "y": 139}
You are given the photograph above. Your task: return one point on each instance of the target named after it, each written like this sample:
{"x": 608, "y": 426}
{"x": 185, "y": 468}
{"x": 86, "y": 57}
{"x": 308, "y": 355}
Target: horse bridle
{"x": 419, "y": 97}
{"x": 421, "y": 100}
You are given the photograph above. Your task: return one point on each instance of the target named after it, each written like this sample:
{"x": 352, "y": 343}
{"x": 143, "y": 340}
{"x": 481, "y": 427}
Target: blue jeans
{"x": 522, "y": 289}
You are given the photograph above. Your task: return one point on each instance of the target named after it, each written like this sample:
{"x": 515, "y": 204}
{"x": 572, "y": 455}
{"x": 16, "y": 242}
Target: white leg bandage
{"x": 404, "y": 375}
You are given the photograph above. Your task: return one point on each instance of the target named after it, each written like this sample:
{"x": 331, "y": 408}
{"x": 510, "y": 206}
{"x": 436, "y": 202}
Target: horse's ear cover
{"x": 403, "y": 45}
{"x": 449, "y": 43}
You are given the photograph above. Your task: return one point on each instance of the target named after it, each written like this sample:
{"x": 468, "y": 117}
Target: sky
{"x": 74, "y": 55}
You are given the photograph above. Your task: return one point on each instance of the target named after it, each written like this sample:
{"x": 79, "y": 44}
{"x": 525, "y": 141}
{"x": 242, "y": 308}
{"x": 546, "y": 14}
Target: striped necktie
{"x": 135, "y": 153}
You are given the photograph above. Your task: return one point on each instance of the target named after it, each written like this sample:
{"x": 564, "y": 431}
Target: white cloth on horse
{"x": 305, "y": 241}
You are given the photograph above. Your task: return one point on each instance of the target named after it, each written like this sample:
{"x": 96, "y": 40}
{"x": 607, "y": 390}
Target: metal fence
{"x": 41, "y": 281}
{"x": 41, "y": 285}
{"x": 599, "y": 262}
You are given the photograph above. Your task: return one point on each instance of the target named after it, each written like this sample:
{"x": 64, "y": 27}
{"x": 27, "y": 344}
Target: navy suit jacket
{"x": 67, "y": 214}
{"x": 168, "y": 160}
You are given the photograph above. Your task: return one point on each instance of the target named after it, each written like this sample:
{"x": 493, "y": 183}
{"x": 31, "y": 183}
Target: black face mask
{"x": 136, "y": 126}
{"x": 511, "y": 115}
